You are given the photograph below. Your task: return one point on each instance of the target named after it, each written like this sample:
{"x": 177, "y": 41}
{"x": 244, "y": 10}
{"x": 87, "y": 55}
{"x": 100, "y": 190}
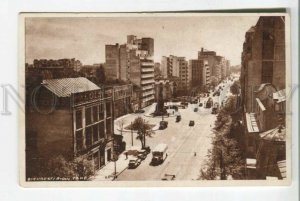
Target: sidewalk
{"x": 107, "y": 172}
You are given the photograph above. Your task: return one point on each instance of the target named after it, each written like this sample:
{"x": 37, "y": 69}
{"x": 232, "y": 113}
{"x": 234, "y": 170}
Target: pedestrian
{"x": 195, "y": 154}
{"x": 126, "y": 154}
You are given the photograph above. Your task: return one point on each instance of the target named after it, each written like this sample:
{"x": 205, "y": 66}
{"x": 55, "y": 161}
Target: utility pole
{"x": 131, "y": 134}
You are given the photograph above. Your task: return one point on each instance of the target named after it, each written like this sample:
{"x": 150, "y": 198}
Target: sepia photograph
{"x": 155, "y": 99}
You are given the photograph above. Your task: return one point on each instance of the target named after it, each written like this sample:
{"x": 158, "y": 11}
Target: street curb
{"x": 119, "y": 173}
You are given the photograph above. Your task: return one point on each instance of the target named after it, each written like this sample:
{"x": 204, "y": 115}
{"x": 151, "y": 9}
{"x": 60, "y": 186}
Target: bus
{"x": 159, "y": 154}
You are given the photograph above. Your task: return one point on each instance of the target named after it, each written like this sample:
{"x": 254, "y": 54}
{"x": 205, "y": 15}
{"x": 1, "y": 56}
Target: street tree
{"x": 224, "y": 159}
{"x": 143, "y": 129}
{"x": 59, "y": 168}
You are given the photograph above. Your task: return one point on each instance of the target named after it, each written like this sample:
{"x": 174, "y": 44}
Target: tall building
{"x": 217, "y": 64}
{"x": 263, "y": 58}
{"x": 200, "y": 72}
{"x": 264, "y": 98}
{"x": 174, "y": 66}
{"x": 133, "y": 62}
{"x": 112, "y": 61}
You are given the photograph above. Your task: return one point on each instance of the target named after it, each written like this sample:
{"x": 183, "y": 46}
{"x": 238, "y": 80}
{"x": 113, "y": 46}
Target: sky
{"x": 84, "y": 38}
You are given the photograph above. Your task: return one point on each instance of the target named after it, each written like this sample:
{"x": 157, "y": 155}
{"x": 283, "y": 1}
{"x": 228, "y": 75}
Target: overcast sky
{"x": 85, "y": 38}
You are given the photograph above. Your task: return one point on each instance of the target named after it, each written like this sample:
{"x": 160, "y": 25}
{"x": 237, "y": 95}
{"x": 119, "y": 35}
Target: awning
{"x": 276, "y": 134}
{"x": 280, "y": 96}
{"x": 252, "y": 125}
{"x": 282, "y": 168}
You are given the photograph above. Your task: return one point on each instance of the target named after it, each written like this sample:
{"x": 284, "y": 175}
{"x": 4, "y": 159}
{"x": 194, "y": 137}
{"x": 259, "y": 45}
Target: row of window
{"x": 92, "y": 115}
{"x": 93, "y": 134}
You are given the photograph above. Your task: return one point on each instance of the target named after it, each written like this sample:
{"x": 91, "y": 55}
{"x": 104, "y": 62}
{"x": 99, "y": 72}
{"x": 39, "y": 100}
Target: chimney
{"x": 201, "y": 49}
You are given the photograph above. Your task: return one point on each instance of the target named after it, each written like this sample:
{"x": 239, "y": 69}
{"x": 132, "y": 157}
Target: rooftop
{"x": 275, "y": 134}
{"x": 64, "y": 87}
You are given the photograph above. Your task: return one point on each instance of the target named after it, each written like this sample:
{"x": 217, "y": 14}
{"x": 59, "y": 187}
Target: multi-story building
{"x": 263, "y": 96}
{"x": 197, "y": 67}
{"x": 69, "y": 117}
{"x": 112, "y": 61}
{"x": 133, "y": 62}
{"x": 174, "y": 66}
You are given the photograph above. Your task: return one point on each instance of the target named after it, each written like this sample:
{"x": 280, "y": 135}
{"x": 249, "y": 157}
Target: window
{"x": 101, "y": 112}
{"x": 108, "y": 109}
{"x": 88, "y": 136}
{"x": 95, "y": 133}
{"x": 95, "y": 113}
{"x": 78, "y": 119}
{"x": 101, "y": 130}
{"x": 108, "y": 127}
{"x": 88, "y": 116}
{"x": 79, "y": 140}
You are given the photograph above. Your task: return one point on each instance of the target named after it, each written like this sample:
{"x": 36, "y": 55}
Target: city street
{"x": 187, "y": 146}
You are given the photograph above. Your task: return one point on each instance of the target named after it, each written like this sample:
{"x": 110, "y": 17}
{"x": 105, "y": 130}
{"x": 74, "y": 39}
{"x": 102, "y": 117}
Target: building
{"x": 174, "y": 66}
{"x": 133, "y": 62}
{"x": 122, "y": 95}
{"x": 112, "y": 61}
{"x": 218, "y": 65}
{"x": 263, "y": 58}
{"x": 68, "y": 117}
{"x": 263, "y": 97}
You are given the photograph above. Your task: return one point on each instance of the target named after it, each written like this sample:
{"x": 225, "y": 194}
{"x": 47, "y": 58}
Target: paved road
{"x": 187, "y": 146}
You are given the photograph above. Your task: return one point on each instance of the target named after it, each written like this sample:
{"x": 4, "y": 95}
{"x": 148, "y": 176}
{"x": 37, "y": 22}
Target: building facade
{"x": 69, "y": 117}
{"x": 263, "y": 96}
{"x": 133, "y": 62}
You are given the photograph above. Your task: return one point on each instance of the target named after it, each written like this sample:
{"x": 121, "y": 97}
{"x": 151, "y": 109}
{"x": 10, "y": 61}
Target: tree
{"x": 143, "y": 129}
{"x": 58, "y": 168}
{"x": 224, "y": 158}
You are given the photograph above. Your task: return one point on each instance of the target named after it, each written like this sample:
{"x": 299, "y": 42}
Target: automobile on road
{"x": 163, "y": 125}
{"x": 192, "y": 123}
{"x": 159, "y": 154}
{"x": 133, "y": 163}
{"x": 178, "y": 118}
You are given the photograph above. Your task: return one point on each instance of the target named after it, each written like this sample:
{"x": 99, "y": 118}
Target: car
{"x": 163, "y": 125}
{"x": 214, "y": 110}
{"x": 133, "y": 163}
{"x": 195, "y": 109}
{"x": 147, "y": 149}
{"x": 139, "y": 111}
{"x": 178, "y": 118}
{"x": 168, "y": 177}
{"x": 192, "y": 123}
{"x": 200, "y": 104}
{"x": 142, "y": 154}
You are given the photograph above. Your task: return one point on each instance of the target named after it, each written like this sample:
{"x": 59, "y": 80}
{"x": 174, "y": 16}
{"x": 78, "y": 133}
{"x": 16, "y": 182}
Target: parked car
{"x": 133, "y": 163}
{"x": 168, "y": 177}
{"x": 147, "y": 149}
{"x": 192, "y": 123}
{"x": 195, "y": 109}
{"x": 178, "y": 118}
{"x": 139, "y": 111}
{"x": 142, "y": 154}
{"x": 200, "y": 104}
{"x": 163, "y": 125}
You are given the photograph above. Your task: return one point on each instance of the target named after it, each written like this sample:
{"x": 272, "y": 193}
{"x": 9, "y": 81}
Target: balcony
{"x": 147, "y": 70}
{"x": 147, "y": 63}
{"x": 147, "y": 87}
{"x": 148, "y": 93}
{"x": 148, "y": 98}
{"x": 148, "y": 75}
{"x": 150, "y": 81}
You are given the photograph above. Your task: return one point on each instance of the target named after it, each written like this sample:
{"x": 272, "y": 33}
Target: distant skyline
{"x": 85, "y": 38}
